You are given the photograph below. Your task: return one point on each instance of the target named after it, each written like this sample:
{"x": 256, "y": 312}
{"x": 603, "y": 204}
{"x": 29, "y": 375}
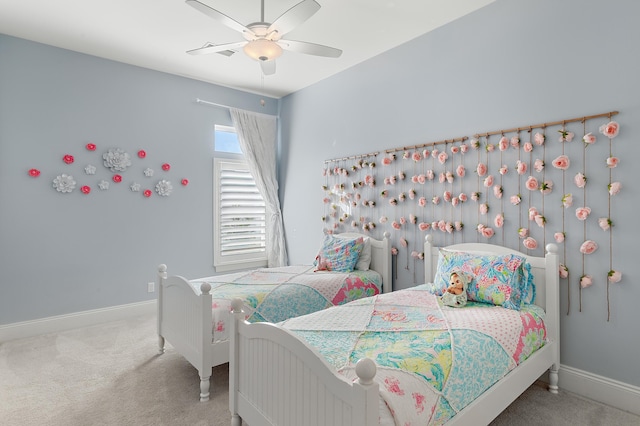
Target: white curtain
{"x": 257, "y": 136}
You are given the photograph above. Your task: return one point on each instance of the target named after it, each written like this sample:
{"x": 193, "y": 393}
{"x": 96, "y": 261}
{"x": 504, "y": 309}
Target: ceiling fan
{"x": 263, "y": 40}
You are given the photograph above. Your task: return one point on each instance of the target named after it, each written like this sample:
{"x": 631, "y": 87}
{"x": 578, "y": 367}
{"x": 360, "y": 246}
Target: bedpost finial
{"x": 162, "y": 268}
{"x": 366, "y": 370}
{"x": 552, "y": 248}
{"x": 205, "y": 288}
{"x": 236, "y": 305}
{"x": 429, "y": 238}
{"x": 387, "y": 234}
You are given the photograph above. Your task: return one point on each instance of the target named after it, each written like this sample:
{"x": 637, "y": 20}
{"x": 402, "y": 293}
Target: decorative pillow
{"x": 503, "y": 280}
{"x": 364, "y": 260}
{"x": 338, "y": 254}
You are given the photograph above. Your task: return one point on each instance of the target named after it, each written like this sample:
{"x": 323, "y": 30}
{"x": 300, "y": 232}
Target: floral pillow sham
{"x": 338, "y": 254}
{"x": 503, "y": 280}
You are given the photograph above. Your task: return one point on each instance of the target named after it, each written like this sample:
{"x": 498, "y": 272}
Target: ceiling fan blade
{"x": 310, "y": 48}
{"x": 218, "y": 16}
{"x": 268, "y": 67}
{"x": 294, "y": 17}
{"x": 213, "y": 48}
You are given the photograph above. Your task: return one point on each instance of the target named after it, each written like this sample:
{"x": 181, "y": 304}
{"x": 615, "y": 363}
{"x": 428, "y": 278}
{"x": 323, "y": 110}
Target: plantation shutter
{"x": 242, "y": 213}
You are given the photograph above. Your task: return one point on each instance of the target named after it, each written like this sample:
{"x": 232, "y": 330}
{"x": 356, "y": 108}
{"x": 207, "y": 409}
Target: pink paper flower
{"x": 68, "y": 159}
{"x": 563, "y": 271}
{"x": 34, "y": 172}
{"x": 531, "y": 184}
{"x": 580, "y": 180}
{"x": 530, "y": 243}
{"x": 582, "y": 213}
{"x": 515, "y": 199}
{"x": 589, "y": 139}
{"x": 91, "y": 146}
{"x": 521, "y": 167}
{"x": 567, "y": 200}
{"x": 481, "y": 169}
{"x": 612, "y": 162}
{"x": 559, "y": 237}
{"x": 539, "y": 138}
{"x": 614, "y": 276}
{"x": 561, "y": 162}
{"x": 610, "y": 129}
{"x": 614, "y": 188}
{"x": 588, "y": 247}
{"x": 523, "y": 232}
{"x": 605, "y": 223}
{"x": 586, "y": 281}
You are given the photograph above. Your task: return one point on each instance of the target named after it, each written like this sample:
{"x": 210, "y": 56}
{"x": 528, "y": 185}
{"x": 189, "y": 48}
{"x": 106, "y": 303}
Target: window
{"x": 239, "y": 210}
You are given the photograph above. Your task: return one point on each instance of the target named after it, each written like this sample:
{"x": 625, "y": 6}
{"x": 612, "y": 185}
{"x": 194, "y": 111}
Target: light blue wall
{"x": 65, "y": 253}
{"x": 512, "y": 63}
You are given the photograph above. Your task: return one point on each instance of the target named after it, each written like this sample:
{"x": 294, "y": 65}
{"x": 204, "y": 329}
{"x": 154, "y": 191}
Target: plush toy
{"x": 456, "y": 293}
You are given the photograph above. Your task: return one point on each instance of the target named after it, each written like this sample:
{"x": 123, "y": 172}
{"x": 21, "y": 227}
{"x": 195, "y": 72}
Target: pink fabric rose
{"x": 538, "y": 165}
{"x": 589, "y": 139}
{"x": 488, "y": 181}
{"x": 416, "y": 156}
{"x": 395, "y": 225}
{"x": 446, "y": 196}
{"x": 475, "y": 196}
{"x": 503, "y": 170}
{"x": 426, "y": 153}
{"x": 422, "y": 201}
{"x": 458, "y": 225}
{"x": 614, "y": 276}
{"x": 521, "y": 167}
{"x": 386, "y": 161}
{"x": 539, "y": 138}
{"x": 455, "y": 201}
{"x": 515, "y": 142}
{"x": 423, "y": 226}
{"x": 532, "y": 213}
{"x": 455, "y": 149}
{"x": 614, "y": 188}
{"x": 563, "y": 271}
{"x": 498, "y": 221}
{"x": 605, "y": 223}
{"x": 460, "y": 170}
{"x": 449, "y": 177}
{"x": 528, "y": 147}
{"x": 540, "y": 220}
{"x": 612, "y": 162}
{"x": 497, "y": 191}
{"x": 610, "y": 129}
{"x": 565, "y": 136}
{"x": 464, "y": 148}
{"x": 567, "y": 200}
{"x": 559, "y": 237}
{"x": 582, "y": 213}
{"x": 580, "y": 180}
{"x": 430, "y": 174}
{"x": 442, "y": 157}
{"x": 586, "y": 281}
{"x": 546, "y": 187}
{"x": 503, "y": 144}
{"x": 530, "y": 243}
{"x": 588, "y": 247}
{"x": 531, "y": 184}
{"x": 561, "y": 162}
{"x": 422, "y": 179}
{"x": 484, "y": 208}
{"x": 435, "y": 200}
{"x": 462, "y": 197}
{"x": 523, "y": 232}
{"x": 442, "y": 177}
{"x": 490, "y": 147}
{"x": 515, "y": 199}
{"x": 481, "y": 169}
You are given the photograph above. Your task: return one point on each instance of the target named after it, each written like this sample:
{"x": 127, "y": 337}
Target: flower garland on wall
{"x": 116, "y": 161}
{"x": 501, "y": 191}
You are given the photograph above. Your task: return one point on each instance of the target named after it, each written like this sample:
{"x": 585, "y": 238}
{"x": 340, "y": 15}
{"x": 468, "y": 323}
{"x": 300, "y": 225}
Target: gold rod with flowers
{"x": 543, "y": 125}
{"x": 353, "y": 157}
{"x": 446, "y": 141}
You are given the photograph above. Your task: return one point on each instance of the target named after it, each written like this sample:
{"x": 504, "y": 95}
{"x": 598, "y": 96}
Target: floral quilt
{"x": 433, "y": 360}
{"x": 276, "y": 294}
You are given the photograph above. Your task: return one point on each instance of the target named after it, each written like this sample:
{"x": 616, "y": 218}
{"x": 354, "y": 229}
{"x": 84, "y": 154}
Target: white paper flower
{"x": 135, "y": 187}
{"x": 64, "y": 183}
{"x": 164, "y": 188}
{"x": 104, "y": 185}
{"x": 116, "y": 160}
{"x": 90, "y": 170}
{"x": 148, "y": 172}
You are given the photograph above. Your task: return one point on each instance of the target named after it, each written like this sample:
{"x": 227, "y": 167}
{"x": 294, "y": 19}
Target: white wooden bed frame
{"x": 185, "y": 317}
{"x": 276, "y": 379}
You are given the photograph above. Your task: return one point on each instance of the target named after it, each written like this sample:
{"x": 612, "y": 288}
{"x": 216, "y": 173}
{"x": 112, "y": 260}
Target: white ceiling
{"x": 156, "y": 34}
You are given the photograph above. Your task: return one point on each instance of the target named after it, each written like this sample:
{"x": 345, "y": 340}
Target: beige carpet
{"x": 111, "y": 375}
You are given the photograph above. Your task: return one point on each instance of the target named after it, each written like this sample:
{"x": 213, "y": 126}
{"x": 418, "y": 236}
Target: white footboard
{"x": 275, "y": 379}
{"x": 184, "y": 319}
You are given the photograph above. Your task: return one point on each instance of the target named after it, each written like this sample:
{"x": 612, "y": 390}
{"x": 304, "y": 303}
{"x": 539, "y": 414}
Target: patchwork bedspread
{"x": 433, "y": 360}
{"x": 276, "y": 294}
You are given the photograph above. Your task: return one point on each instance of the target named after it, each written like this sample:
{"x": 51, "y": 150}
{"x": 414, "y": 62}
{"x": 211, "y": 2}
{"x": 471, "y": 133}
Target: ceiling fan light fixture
{"x": 263, "y": 50}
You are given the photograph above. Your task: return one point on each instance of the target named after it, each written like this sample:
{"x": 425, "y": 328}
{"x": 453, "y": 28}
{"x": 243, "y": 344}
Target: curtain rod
{"x": 202, "y": 101}
{"x": 543, "y": 125}
{"x": 405, "y": 148}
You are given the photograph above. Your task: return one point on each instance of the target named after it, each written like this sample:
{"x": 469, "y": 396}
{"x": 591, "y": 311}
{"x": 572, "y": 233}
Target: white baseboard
{"x": 59, "y": 323}
{"x": 600, "y": 389}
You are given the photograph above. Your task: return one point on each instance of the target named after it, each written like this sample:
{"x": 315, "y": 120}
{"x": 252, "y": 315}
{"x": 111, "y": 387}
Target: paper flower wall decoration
{"x": 164, "y": 188}
{"x": 116, "y": 160}
{"x": 64, "y": 183}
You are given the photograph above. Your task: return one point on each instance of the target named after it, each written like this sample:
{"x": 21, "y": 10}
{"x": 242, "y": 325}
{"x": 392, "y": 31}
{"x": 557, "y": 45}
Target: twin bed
{"x": 194, "y": 315}
{"x": 404, "y": 357}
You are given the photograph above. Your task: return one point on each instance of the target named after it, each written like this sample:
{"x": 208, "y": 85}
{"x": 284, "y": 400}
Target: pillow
{"x": 364, "y": 260}
{"x": 338, "y": 254}
{"x": 503, "y": 280}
